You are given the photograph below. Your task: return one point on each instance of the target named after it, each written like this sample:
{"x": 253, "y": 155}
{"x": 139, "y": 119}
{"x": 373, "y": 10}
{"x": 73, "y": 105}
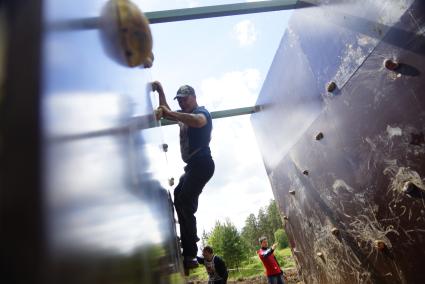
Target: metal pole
{"x": 139, "y": 123}
{"x": 192, "y": 13}
{"x": 223, "y": 10}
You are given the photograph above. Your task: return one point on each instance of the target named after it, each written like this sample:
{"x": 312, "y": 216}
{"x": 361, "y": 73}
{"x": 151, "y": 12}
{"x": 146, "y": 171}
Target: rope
{"x": 162, "y": 136}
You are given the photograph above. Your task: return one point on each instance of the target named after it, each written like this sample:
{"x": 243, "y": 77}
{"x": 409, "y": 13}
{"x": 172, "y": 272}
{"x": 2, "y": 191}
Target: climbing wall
{"x": 341, "y": 132}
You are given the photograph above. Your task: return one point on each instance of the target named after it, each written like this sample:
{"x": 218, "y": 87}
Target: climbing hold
{"x": 335, "y": 231}
{"x": 380, "y": 245}
{"x": 319, "y": 136}
{"x": 125, "y": 32}
{"x": 331, "y": 87}
{"x": 417, "y": 139}
{"x": 412, "y": 190}
{"x": 171, "y": 181}
{"x": 391, "y": 64}
{"x": 305, "y": 172}
{"x": 292, "y": 192}
{"x": 165, "y": 147}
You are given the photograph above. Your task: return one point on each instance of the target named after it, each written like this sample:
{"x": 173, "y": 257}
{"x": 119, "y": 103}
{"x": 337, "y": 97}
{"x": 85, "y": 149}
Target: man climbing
{"x": 195, "y": 134}
{"x": 215, "y": 266}
{"x": 273, "y": 271}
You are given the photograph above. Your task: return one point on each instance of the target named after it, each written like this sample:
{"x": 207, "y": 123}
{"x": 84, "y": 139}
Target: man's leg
{"x": 186, "y": 197}
{"x": 186, "y": 203}
{"x": 275, "y": 279}
{"x": 280, "y": 279}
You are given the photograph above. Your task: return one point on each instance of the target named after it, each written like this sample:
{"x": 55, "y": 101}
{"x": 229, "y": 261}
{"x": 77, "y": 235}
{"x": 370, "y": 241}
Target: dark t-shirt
{"x": 216, "y": 268}
{"x": 194, "y": 142}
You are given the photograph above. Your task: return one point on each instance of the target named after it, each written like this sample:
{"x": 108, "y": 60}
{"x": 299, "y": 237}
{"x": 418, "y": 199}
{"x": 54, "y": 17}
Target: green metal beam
{"x": 223, "y": 10}
{"x": 138, "y": 123}
{"x": 166, "y": 16}
{"x": 222, "y": 114}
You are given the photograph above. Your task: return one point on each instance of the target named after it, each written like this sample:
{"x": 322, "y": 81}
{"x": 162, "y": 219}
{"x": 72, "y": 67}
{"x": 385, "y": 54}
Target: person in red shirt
{"x": 273, "y": 271}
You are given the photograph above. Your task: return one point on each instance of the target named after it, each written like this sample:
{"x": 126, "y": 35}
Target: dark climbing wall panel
{"x": 354, "y": 200}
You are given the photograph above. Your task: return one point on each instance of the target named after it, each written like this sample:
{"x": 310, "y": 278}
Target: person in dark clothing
{"x": 215, "y": 266}
{"x": 273, "y": 271}
{"x": 195, "y": 124}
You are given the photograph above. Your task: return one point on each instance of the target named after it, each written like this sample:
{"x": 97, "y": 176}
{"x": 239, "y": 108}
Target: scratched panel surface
{"x": 373, "y": 144}
{"x": 105, "y": 213}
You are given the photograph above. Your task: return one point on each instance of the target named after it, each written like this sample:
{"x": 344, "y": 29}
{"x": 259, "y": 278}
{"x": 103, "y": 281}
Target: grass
{"x": 250, "y": 267}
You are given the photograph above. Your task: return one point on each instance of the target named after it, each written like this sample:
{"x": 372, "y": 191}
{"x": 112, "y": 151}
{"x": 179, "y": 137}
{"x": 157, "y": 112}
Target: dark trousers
{"x": 275, "y": 279}
{"x": 197, "y": 174}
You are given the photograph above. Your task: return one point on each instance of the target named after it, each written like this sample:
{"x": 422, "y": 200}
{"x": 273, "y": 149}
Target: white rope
{"x": 162, "y": 136}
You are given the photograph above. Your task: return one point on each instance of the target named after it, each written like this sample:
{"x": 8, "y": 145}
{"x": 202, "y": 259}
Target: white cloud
{"x": 240, "y": 185}
{"x": 245, "y": 32}
{"x": 231, "y": 90}
{"x": 190, "y": 3}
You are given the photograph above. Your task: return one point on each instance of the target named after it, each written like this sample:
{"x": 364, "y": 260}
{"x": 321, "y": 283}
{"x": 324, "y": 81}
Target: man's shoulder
{"x": 200, "y": 109}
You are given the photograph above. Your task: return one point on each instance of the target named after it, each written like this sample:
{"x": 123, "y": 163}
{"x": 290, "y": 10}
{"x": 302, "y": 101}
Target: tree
{"x": 204, "y": 238}
{"x": 264, "y": 226}
{"x": 281, "y": 238}
{"x": 227, "y": 242}
{"x": 267, "y": 222}
{"x": 250, "y": 232}
{"x": 273, "y": 216}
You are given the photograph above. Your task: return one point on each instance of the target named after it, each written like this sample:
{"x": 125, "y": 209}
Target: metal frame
{"x": 223, "y": 10}
{"x": 175, "y": 15}
{"x": 135, "y": 123}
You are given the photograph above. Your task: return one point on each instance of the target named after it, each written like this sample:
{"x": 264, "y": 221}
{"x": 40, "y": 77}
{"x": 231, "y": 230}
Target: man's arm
{"x": 220, "y": 267}
{"x": 156, "y": 86}
{"x": 196, "y": 120}
{"x": 267, "y": 252}
{"x": 200, "y": 260}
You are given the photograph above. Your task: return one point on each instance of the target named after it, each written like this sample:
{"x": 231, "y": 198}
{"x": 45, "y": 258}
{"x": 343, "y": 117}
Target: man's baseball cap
{"x": 185, "y": 91}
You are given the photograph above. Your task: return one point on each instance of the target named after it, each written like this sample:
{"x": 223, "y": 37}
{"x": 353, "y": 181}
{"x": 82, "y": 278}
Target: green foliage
{"x": 199, "y": 273}
{"x": 251, "y": 266}
{"x": 227, "y": 242}
{"x": 254, "y": 267}
{"x": 238, "y": 250}
{"x": 274, "y": 220}
{"x": 284, "y": 258}
{"x": 281, "y": 238}
{"x": 250, "y": 232}
{"x": 266, "y": 223}
{"x": 204, "y": 238}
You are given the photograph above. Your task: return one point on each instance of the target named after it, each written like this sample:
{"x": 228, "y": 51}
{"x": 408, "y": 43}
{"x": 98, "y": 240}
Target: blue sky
{"x": 226, "y": 60}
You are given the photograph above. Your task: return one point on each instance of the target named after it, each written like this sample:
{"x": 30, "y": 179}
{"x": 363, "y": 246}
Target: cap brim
{"x": 181, "y": 96}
